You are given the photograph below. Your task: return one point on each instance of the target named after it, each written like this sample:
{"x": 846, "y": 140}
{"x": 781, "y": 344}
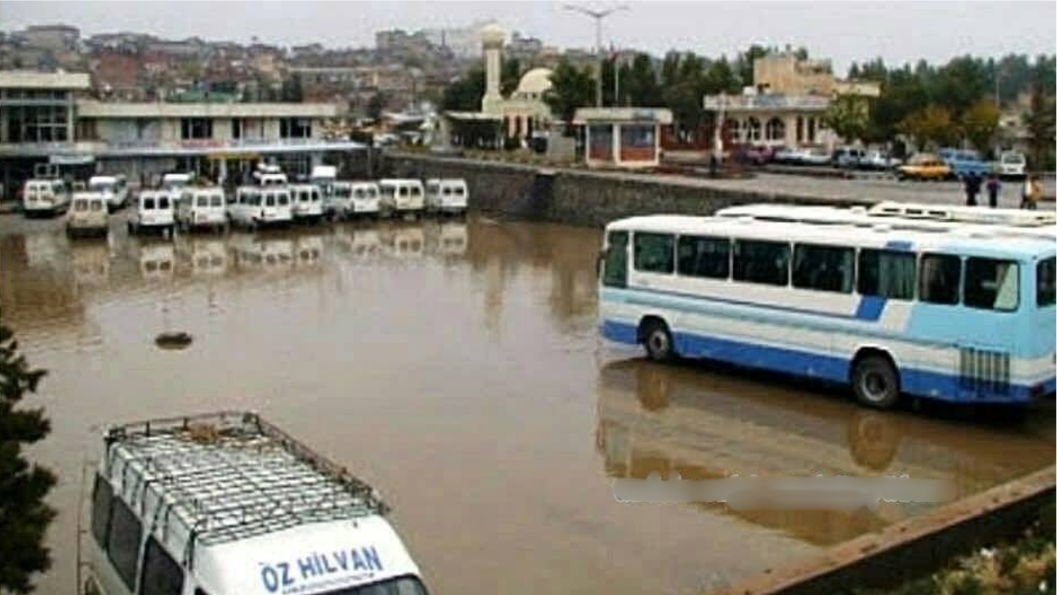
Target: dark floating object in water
{"x": 178, "y": 340}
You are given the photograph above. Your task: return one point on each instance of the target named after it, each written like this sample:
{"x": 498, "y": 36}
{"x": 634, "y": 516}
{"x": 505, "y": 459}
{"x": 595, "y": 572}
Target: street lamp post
{"x": 597, "y": 15}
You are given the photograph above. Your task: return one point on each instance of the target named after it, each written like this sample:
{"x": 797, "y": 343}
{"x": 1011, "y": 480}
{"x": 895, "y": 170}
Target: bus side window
{"x": 616, "y": 260}
{"x": 654, "y": 253}
{"x": 102, "y": 494}
{"x": 161, "y": 574}
{"x": 887, "y": 274}
{"x": 761, "y": 262}
{"x": 991, "y": 284}
{"x": 701, "y": 256}
{"x": 823, "y": 268}
{"x": 940, "y": 278}
{"x": 123, "y": 542}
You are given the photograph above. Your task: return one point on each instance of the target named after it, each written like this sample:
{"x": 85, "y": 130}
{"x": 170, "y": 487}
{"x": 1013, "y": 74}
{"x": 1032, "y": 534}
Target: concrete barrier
{"x": 913, "y": 548}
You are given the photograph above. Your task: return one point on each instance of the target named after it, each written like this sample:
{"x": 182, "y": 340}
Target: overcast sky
{"x": 843, "y": 31}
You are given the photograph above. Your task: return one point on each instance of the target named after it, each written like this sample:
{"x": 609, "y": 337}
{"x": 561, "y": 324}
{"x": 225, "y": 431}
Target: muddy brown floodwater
{"x": 456, "y": 367}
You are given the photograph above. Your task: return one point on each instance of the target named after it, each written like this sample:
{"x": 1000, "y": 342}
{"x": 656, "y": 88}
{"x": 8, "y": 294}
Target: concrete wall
{"x": 572, "y": 196}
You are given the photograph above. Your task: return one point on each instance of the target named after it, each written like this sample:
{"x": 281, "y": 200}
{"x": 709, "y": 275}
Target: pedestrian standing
{"x": 1025, "y": 193}
{"x": 993, "y": 188}
{"x": 972, "y": 187}
{"x": 1034, "y": 193}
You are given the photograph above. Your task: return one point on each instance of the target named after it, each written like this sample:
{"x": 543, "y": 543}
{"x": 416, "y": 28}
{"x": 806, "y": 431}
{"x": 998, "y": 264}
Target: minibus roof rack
{"x": 229, "y": 476}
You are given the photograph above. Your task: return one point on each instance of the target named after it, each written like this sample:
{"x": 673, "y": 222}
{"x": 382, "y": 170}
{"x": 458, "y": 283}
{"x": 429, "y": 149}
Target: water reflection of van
{"x": 91, "y": 262}
{"x": 402, "y": 196}
{"x": 308, "y": 250}
{"x": 262, "y": 252}
{"x": 452, "y": 238}
{"x": 228, "y": 503}
{"x": 45, "y": 197}
{"x": 206, "y": 256}
{"x": 157, "y": 260}
{"x": 366, "y": 243}
{"x": 407, "y": 241}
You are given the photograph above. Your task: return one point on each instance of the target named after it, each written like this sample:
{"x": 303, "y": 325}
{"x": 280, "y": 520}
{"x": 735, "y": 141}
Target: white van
{"x": 88, "y": 215}
{"x": 447, "y": 197}
{"x": 270, "y": 175}
{"x": 200, "y": 208}
{"x": 307, "y": 202}
{"x": 402, "y": 196}
{"x": 154, "y": 211}
{"x": 366, "y": 199}
{"x": 228, "y": 504}
{"x": 114, "y": 188}
{"x": 175, "y": 181}
{"x": 45, "y": 197}
{"x": 257, "y": 206}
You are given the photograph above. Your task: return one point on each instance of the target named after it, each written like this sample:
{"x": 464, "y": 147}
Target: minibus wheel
{"x": 875, "y": 382}
{"x": 658, "y": 341}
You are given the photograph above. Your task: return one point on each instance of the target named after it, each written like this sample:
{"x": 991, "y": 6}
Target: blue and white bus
{"x": 957, "y": 313}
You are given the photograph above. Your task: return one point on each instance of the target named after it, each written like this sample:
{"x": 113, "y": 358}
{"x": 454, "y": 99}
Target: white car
{"x": 816, "y": 156}
{"x": 88, "y": 215}
{"x": 202, "y": 207}
{"x": 879, "y": 161}
{"x": 154, "y": 211}
{"x": 447, "y": 197}
{"x": 1012, "y": 164}
{"x": 307, "y": 202}
{"x": 45, "y": 197}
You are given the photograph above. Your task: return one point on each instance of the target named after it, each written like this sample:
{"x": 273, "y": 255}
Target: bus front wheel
{"x": 658, "y": 341}
{"x": 875, "y": 382}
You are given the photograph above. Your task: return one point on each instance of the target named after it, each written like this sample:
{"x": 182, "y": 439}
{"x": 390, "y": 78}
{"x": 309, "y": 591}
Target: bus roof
{"x": 997, "y": 241}
{"x": 225, "y": 478}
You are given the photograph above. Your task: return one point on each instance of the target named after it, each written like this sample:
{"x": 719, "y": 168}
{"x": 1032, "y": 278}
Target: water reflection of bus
{"x": 706, "y": 424}
{"x": 90, "y": 260}
{"x": 157, "y": 260}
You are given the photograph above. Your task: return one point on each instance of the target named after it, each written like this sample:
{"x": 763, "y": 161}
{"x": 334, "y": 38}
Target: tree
{"x": 571, "y": 87}
{"x": 980, "y": 123}
{"x": 376, "y": 105}
{"x": 745, "y": 64}
{"x": 1040, "y": 118}
{"x": 848, "y": 116}
{"x": 24, "y": 516}
{"x": 292, "y": 89}
{"x": 641, "y": 83}
{"x": 932, "y": 125}
{"x": 464, "y": 95}
{"x": 510, "y": 76}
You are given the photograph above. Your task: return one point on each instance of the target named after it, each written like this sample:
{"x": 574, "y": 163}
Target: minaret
{"x": 492, "y": 38}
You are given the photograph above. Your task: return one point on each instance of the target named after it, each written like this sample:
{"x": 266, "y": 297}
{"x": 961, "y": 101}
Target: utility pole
{"x": 597, "y": 15}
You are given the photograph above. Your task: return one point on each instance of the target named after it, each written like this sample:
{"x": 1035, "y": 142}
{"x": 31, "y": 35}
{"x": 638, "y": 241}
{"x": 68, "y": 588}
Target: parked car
{"x": 789, "y": 156}
{"x": 879, "y": 161}
{"x": 88, "y": 215}
{"x": 1012, "y": 164}
{"x": 154, "y": 212}
{"x": 849, "y": 157}
{"x": 924, "y": 166}
{"x": 816, "y": 156}
{"x": 758, "y": 155}
{"x": 964, "y": 162}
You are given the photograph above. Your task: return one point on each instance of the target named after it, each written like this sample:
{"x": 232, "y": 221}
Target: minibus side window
{"x": 161, "y": 574}
{"x": 991, "y": 284}
{"x": 701, "y": 256}
{"x": 654, "y": 252}
{"x": 940, "y": 278}
{"x": 123, "y": 542}
{"x": 1046, "y": 282}
{"x": 101, "y": 496}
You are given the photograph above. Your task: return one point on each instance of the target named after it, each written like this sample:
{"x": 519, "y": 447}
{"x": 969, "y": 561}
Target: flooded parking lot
{"x": 456, "y": 366}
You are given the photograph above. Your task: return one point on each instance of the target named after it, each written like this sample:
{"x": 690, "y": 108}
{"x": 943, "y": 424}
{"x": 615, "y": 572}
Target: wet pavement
{"x": 455, "y": 365}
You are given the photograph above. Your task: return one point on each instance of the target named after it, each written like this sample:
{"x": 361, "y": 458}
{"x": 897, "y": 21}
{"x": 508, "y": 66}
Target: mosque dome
{"x": 493, "y": 34}
{"x": 535, "y": 82}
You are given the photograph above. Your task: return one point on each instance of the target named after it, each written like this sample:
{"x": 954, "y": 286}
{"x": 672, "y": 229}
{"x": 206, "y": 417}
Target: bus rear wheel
{"x": 658, "y": 341}
{"x": 875, "y": 382}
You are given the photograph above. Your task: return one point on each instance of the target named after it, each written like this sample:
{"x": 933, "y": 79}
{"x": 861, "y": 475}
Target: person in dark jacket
{"x": 993, "y": 188}
{"x": 972, "y": 188}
